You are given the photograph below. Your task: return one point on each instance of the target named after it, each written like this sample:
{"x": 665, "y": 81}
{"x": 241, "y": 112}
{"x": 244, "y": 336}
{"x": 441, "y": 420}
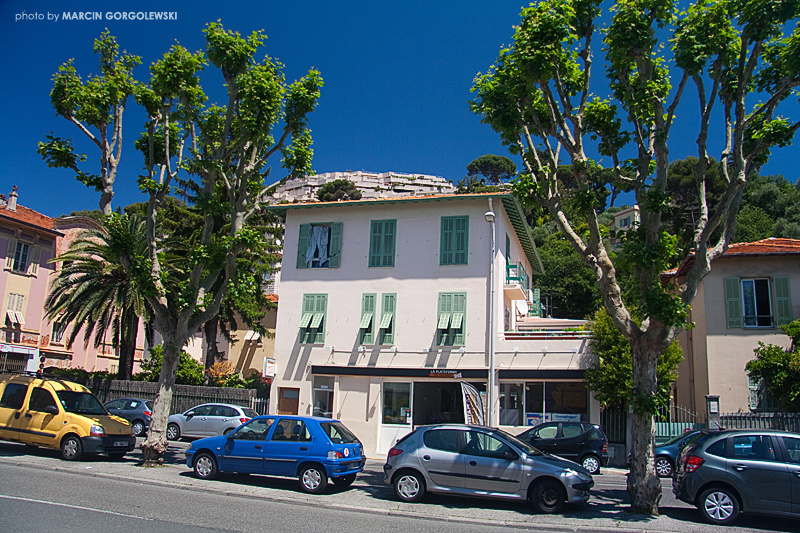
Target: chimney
{"x": 12, "y": 199}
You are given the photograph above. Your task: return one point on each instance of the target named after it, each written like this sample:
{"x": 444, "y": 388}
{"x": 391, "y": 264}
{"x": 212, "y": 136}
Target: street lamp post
{"x": 489, "y": 217}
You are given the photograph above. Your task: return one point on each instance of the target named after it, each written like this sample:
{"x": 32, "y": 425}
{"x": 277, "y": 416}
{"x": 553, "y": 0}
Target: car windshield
{"x": 81, "y": 403}
{"x": 525, "y": 446}
{"x": 338, "y": 433}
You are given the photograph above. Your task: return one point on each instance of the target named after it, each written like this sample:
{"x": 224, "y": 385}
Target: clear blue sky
{"x": 397, "y": 79}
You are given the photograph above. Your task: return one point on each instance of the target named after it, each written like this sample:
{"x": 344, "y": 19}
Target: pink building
{"x": 30, "y": 241}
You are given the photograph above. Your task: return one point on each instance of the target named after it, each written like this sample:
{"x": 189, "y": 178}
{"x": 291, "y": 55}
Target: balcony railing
{"x": 553, "y": 335}
{"x": 515, "y": 274}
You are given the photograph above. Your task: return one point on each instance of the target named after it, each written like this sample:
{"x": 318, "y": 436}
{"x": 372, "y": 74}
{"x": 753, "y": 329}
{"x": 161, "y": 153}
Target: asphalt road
{"x": 40, "y": 492}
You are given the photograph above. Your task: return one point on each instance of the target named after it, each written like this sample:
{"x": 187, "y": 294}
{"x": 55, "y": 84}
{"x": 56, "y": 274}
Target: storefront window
{"x": 397, "y": 403}
{"x": 556, "y": 401}
{"x": 323, "y": 396}
{"x": 511, "y": 404}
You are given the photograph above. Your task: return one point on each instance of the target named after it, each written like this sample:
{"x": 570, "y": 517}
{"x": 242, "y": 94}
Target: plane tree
{"x": 226, "y": 149}
{"x": 739, "y": 60}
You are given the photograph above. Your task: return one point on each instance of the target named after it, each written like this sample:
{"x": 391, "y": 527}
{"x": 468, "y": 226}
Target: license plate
{"x": 120, "y": 443}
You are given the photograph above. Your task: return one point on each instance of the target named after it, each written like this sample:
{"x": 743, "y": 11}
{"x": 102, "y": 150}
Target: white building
{"x": 371, "y": 184}
{"x": 387, "y": 305}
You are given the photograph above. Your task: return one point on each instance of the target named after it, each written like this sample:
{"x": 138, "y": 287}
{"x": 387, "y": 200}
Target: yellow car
{"x": 66, "y": 416}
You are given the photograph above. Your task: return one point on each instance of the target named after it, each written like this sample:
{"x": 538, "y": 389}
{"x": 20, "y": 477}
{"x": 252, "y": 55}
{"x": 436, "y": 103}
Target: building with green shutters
{"x": 388, "y": 304}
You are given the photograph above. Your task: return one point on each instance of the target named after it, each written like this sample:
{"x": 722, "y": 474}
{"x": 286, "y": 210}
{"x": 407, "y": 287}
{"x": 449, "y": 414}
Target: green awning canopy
{"x": 366, "y": 320}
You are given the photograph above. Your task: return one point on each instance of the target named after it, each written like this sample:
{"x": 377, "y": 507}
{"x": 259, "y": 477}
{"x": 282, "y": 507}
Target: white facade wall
{"x": 357, "y": 374}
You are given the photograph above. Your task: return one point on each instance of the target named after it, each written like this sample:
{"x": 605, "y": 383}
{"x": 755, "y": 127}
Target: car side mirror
{"x": 51, "y": 410}
{"x": 509, "y": 455}
{"x": 190, "y": 414}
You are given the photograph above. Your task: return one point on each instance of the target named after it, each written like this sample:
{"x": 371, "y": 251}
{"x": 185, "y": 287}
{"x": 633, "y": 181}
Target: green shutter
{"x": 312, "y": 322}
{"x": 459, "y": 309}
{"x": 320, "y": 310}
{"x": 733, "y": 302}
{"x": 382, "y": 243}
{"x": 446, "y": 242}
{"x": 453, "y": 245}
{"x": 461, "y": 240}
{"x": 10, "y": 252}
{"x": 335, "y": 251}
{"x": 367, "y": 320}
{"x": 388, "y": 310}
{"x": 783, "y": 300}
{"x": 302, "y": 245}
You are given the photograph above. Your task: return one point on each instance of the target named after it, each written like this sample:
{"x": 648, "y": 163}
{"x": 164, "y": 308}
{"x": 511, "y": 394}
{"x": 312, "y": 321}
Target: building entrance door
{"x": 437, "y": 403}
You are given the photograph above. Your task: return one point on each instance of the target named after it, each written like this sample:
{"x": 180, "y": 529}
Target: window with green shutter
{"x": 388, "y": 319}
{"x": 312, "y": 319}
{"x": 382, "y": 243}
{"x": 319, "y": 245}
{"x": 453, "y": 241}
{"x": 450, "y": 325}
{"x": 367, "y": 325}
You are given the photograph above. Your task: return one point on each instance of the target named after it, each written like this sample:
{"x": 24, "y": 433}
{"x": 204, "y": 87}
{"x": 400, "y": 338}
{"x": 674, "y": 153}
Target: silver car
{"x": 485, "y": 462}
{"x": 208, "y": 420}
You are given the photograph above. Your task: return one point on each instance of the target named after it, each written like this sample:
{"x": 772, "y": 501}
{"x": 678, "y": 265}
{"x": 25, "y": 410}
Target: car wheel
{"x": 71, "y": 448}
{"x": 344, "y": 481}
{"x": 313, "y": 479}
{"x": 173, "y": 432}
{"x": 116, "y": 456}
{"x": 591, "y": 463}
{"x": 718, "y": 506}
{"x": 228, "y": 431}
{"x": 137, "y": 428}
{"x": 205, "y": 466}
{"x": 663, "y": 467}
{"x": 548, "y": 496}
{"x": 409, "y": 487}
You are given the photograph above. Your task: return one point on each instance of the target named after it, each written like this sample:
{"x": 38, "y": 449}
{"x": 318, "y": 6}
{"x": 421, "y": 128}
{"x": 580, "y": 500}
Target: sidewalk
{"x": 606, "y": 510}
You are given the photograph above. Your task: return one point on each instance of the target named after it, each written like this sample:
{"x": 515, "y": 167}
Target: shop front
{"x": 407, "y": 398}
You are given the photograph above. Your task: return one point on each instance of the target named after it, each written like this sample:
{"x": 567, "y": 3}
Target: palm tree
{"x": 93, "y": 292}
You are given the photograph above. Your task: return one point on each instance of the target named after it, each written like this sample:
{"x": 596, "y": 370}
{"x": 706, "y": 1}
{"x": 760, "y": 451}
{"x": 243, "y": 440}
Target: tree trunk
{"x": 127, "y": 344}
{"x": 155, "y": 445}
{"x": 644, "y": 486}
{"x": 210, "y": 329}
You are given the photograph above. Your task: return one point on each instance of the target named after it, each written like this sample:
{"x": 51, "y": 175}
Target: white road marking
{"x": 73, "y": 507}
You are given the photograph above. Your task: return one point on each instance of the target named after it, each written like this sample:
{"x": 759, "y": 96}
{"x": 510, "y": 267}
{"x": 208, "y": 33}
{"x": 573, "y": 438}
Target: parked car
{"x": 665, "y": 455}
{"x": 54, "y": 413}
{"x": 483, "y": 462}
{"x": 727, "y": 472}
{"x": 208, "y": 420}
{"x": 584, "y": 443}
{"x": 313, "y": 449}
{"x": 134, "y": 410}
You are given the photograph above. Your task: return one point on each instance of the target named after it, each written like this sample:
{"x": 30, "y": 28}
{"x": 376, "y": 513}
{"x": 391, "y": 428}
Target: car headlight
{"x": 97, "y": 431}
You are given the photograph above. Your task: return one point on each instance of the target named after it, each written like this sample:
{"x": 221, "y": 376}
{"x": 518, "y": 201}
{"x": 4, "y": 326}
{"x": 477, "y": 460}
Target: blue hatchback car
{"x": 313, "y": 449}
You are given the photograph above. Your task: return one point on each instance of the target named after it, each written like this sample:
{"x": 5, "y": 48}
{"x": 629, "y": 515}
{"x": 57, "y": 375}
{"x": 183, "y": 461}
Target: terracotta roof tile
{"x": 28, "y": 216}
{"x": 272, "y": 298}
{"x": 770, "y": 246}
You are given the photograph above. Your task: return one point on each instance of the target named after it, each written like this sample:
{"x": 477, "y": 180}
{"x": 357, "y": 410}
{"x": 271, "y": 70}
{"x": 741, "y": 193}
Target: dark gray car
{"x": 484, "y": 462}
{"x": 134, "y": 410}
{"x": 726, "y": 472}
